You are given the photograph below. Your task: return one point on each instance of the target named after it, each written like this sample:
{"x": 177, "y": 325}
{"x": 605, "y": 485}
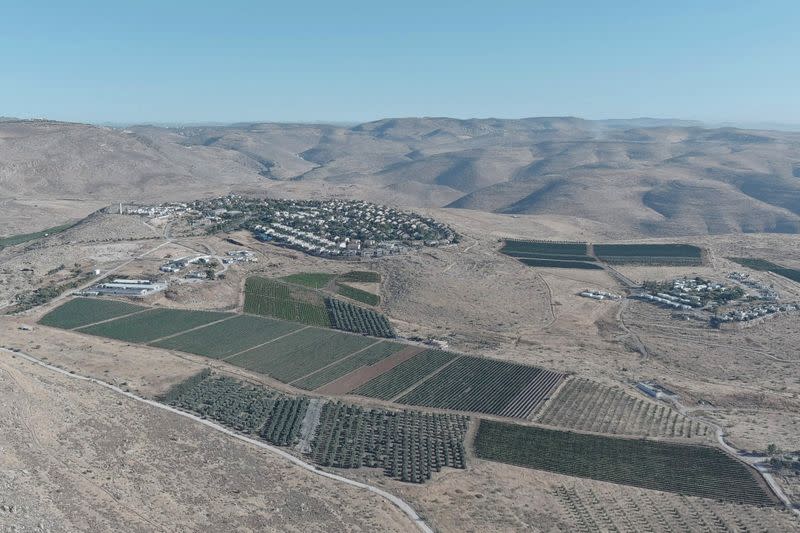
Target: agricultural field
{"x": 649, "y": 254}
{"x": 272, "y": 298}
{"x": 153, "y": 324}
{"x": 601, "y": 507}
{"x": 227, "y": 338}
{"x": 12, "y": 240}
{"x": 551, "y": 254}
{"x": 762, "y": 265}
{"x": 685, "y": 469}
{"x": 357, "y": 294}
{"x": 368, "y": 356}
{"x": 389, "y": 384}
{"x": 313, "y": 280}
{"x": 485, "y": 386}
{"x": 360, "y": 276}
{"x": 300, "y": 354}
{"x": 79, "y": 312}
{"x": 408, "y": 445}
{"x": 349, "y": 317}
{"x": 587, "y": 405}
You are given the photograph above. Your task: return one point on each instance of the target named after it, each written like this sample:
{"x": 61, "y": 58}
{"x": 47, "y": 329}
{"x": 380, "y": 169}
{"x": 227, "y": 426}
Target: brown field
{"x": 358, "y": 377}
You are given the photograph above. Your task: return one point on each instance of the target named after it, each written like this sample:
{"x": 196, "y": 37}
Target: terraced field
{"x": 297, "y": 355}
{"x": 485, "y": 386}
{"x": 406, "y": 374}
{"x": 366, "y": 357}
{"x": 587, "y": 405}
{"x": 153, "y": 324}
{"x": 229, "y": 337}
{"x": 79, "y": 312}
{"x": 681, "y": 468}
{"x": 649, "y": 254}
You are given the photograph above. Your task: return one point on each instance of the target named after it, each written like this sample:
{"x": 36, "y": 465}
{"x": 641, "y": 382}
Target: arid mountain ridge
{"x": 650, "y": 177}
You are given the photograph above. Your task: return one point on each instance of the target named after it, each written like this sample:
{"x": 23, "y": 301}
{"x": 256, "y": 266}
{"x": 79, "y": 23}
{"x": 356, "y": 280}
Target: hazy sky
{"x": 175, "y": 61}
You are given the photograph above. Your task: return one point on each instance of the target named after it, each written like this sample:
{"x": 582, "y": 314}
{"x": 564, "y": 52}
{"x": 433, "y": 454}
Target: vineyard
{"x": 594, "y": 507}
{"x": 551, "y": 254}
{"x": 485, "y": 386}
{"x": 272, "y": 298}
{"x": 294, "y": 356}
{"x": 314, "y": 280}
{"x": 153, "y": 324}
{"x": 357, "y": 294}
{"x": 586, "y": 405}
{"x": 407, "y": 445}
{"x": 360, "y": 276}
{"x": 684, "y": 469}
{"x": 229, "y": 337}
{"x": 366, "y": 357}
{"x": 389, "y": 384}
{"x": 348, "y": 317}
{"x": 649, "y": 254}
{"x": 84, "y": 311}
{"x": 763, "y": 265}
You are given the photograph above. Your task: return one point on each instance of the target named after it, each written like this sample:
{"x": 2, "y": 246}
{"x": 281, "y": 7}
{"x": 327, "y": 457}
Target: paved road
{"x": 397, "y": 502}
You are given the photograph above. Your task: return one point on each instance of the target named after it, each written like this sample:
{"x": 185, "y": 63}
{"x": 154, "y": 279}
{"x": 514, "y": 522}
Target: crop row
{"x": 366, "y": 357}
{"x": 636, "y": 251}
{"x": 389, "y": 384}
{"x": 590, "y": 406}
{"x": 283, "y": 423}
{"x": 764, "y": 266}
{"x": 297, "y": 355}
{"x": 153, "y": 324}
{"x": 357, "y": 294}
{"x": 407, "y": 445}
{"x": 685, "y": 469}
{"x": 79, "y": 312}
{"x": 272, "y": 298}
{"x": 548, "y": 263}
{"x": 483, "y": 386}
{"x": 544, "y": 247}
{"x": 348, "y": 317}
{"x": 360, "y": 276}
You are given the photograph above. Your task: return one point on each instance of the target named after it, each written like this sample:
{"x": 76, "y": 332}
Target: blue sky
{"x": 176, "y": 61}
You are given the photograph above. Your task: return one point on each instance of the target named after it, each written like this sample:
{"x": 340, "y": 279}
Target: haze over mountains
{"x": 645, "y": 176}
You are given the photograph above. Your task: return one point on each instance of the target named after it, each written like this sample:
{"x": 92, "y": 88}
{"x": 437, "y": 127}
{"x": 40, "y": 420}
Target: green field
{"x": 366, "y": 357}
{"x": 482, "y": 385}
{"x": 762, "y": 265}
{"x": 357, "y": 294}
{"x": 272, "y": 298}
{"x": 83, "y": 311}
{"x": 314, "y": 280}
{"x": 348, "y": 317}
{"x": 685, "y": 469}
{"x": 649, "y": 254}
{"x": 227, "y": 338}
{"x": 306, "y": 351}
{"x": 512, "y": 247}
{"x": 153, "y": 324}
{"x": 391, "y": 383}
{"x": 12, "y": 240}
{"x": 360, "y": 276}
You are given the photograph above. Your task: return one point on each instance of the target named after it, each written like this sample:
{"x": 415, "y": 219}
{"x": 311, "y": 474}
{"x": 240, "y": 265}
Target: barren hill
{"x": 646, "y": 176}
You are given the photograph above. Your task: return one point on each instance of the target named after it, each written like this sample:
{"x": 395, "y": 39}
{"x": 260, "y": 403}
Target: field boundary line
{"x": 345, "y": 358}
{"x": 265, "y": 343}
{"x": 401, "y": 504}
{"x": 393, "y": 399}
{"x": 191, "y": 329}
{"x": 79, "y": 328}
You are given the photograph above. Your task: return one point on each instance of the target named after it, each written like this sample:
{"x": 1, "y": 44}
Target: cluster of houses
{"x": 599, "y": 295}
{"x": 666, "y": 299}
{"x": 762, "y": 292}
{"x": 240, "y": 256}
{"x": 335, "y": 228}
{"x": 136, "y": 288}
{"x": 752, "y": 313}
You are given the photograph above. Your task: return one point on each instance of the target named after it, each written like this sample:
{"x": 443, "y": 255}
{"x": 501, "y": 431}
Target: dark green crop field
{"x": 153, "y": 324}
{"x": 84, "y": 311}
{"x": 547, "y": 263}
{"x": 391, "y": 383}
{"x": 762, "y": 265}
{"x": 544, "y": 247}
{"x": 685, "y": 469}
{"x": 12, "y": 240}
{"x": 229, "y": 337}
{"x": 367, "y": 356}
{"x": 357, "y": 294}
